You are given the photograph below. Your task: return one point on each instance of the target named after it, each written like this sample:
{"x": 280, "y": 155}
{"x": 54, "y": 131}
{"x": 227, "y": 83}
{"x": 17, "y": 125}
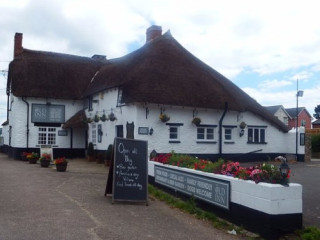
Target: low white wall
{"x": 264, "y": 197}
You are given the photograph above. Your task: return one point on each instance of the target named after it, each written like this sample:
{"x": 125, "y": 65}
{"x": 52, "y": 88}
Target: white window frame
{"x": 94, "y": 133}
{"x": 228, "y": 134}
{"x": 206, "y": 134}
{"x": 176, "y": 126}
{"x": 47, "y": 135}
{"x": 258, "y": 134}
{"x": 177, "y": 133}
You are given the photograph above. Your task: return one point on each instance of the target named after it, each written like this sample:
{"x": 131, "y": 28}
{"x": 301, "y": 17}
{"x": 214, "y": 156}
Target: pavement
{"x": 40, "y": 203}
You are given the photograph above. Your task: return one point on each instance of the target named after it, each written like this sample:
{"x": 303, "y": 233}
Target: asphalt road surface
{"x": 39, "y": 203}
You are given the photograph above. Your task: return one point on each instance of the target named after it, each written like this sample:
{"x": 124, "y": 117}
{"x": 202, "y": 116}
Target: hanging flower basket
{"x": 196, "y": 121}
{"x": 96, "y": 118}
{"x": 104, "y": 118}
{"x": 112, "y": 117}
{"x": 164, "y": 118}
{"x": 89, "y": 120}
{"x": 242, "y": 125}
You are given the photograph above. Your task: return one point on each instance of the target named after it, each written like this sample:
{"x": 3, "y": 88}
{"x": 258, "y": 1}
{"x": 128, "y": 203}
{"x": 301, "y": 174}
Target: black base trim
{"x": 267, "y": 225}
{"x": 15, "y": 153}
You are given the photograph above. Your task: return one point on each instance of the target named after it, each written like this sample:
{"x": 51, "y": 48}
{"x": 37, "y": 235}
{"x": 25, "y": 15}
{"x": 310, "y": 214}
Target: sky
{"x": 264, "y": 47}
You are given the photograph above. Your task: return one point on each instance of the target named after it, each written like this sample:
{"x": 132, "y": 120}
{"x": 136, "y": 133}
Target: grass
{"x": 307, "y": 233}
{"x": 191, "y": 208}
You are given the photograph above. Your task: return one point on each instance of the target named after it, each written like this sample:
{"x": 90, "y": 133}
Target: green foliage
{"x": 317, "y": 112}
{"x": 315, "y": 143}
{"x": 309, "y": 233}
{"x": 213, "y": 167}
{"x": 190, "y": 207}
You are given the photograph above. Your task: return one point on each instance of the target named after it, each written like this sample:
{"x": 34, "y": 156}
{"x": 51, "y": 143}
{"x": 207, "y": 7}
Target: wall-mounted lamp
{"x": 241, "y": 132}
{"x": 284, "y": 170}
{"x": 151, "y": 131}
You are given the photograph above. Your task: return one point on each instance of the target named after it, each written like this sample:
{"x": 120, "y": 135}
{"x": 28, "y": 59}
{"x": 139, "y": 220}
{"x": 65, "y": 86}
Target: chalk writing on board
{"x": 126, "y": 172}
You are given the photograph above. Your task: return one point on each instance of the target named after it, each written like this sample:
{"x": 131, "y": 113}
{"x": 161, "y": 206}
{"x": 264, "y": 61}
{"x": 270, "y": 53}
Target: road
{"x": 39, "y": 203}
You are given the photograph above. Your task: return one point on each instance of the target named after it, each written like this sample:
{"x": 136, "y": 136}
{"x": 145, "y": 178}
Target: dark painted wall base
{"x": 15, "y": 153}
{"x": 268, "y": 226}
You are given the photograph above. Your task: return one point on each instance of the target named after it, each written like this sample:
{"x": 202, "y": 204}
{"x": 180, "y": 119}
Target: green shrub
{"x": 310, "y": 233}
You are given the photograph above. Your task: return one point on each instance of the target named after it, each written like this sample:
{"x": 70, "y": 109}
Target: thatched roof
{"x": 50, "y": 75}
{"x": 163, "y": 72}
{"x": 77, "y": 121}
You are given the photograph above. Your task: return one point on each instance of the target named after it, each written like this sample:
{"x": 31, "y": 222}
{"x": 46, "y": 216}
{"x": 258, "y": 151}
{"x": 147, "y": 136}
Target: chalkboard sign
{"x": 130, "y": 171}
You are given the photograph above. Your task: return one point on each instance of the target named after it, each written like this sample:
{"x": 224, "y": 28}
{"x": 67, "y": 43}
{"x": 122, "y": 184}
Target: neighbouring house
{"x": 280, "y": 112}
{"x": 304, "y": 117}
{"x": 160, "y": 93}
{"x": 316, "y": 124}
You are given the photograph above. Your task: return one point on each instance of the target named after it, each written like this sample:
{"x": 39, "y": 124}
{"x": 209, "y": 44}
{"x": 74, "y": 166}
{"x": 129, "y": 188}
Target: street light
{"x": 299, "y": 94}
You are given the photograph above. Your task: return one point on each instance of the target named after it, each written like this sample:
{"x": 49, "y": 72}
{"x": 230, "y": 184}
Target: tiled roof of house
{"x": 273, "y": 109}
{"x": 293, "y": 111}
{"x": 317, "y": 122}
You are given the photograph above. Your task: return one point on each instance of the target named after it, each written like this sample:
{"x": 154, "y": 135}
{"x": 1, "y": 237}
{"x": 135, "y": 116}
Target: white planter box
{"x": 264, "y": 197}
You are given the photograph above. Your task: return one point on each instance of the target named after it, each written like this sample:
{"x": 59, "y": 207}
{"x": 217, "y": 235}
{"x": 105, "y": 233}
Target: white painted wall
{"x": 277, "y": 141}
{"x": 18, "y": 121}
{"x": 264, "y": 197}
{"x": 281, "y": 114}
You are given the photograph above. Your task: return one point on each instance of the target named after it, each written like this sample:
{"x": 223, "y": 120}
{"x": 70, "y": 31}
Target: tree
{"x": 317, "y": 112}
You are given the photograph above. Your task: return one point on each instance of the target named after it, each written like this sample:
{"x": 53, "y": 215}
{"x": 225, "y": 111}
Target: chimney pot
{"x": 17, "y": 44}
{"x": 153, "y": 32}
{"x": 99, "y": 57}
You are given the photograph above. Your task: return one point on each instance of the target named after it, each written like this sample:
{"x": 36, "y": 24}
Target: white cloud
{"x": 272, "y": 84}
{"x": 310, "y": 99}
{"x": 231, "y": 36}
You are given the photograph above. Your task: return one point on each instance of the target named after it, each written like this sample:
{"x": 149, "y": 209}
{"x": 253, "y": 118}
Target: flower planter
{"x": 61, "y": 167}
{"x": 32, "y": 160}
{"x": 45, "y": 163}
{"x": 268, "y": 209}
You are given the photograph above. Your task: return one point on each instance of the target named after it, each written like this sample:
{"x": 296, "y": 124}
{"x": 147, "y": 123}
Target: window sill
{"x": 257, "y": 143}
{"x": 229, "y": 142}
{"x": 174, "y": 142}
{"x": 210, "y": 142}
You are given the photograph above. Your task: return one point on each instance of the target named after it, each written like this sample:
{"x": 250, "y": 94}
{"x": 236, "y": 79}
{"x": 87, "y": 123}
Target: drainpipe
{"x": 27, "y": 121}
{"x": 220, "y": 128}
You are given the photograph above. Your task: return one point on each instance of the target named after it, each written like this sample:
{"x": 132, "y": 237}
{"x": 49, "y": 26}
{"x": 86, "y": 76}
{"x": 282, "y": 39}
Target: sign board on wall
{"x": 130, "y": 171}
{"x": 212, "y": 190}
{"x": 44, "y": 113}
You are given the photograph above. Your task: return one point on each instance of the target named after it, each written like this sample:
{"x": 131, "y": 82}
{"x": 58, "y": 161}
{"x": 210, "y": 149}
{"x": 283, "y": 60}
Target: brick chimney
{"x": 17, "y": 44}
{"x": 153, "y": 32}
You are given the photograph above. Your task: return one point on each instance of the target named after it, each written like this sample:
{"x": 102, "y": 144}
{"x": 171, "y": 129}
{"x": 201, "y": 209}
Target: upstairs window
{"x": 205, "y": 133}
{"x": 256, "y": 134}
{"x": 228, "y": 134}
{"x": 174, "y": 132}
{"x": 90, "y": 101}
